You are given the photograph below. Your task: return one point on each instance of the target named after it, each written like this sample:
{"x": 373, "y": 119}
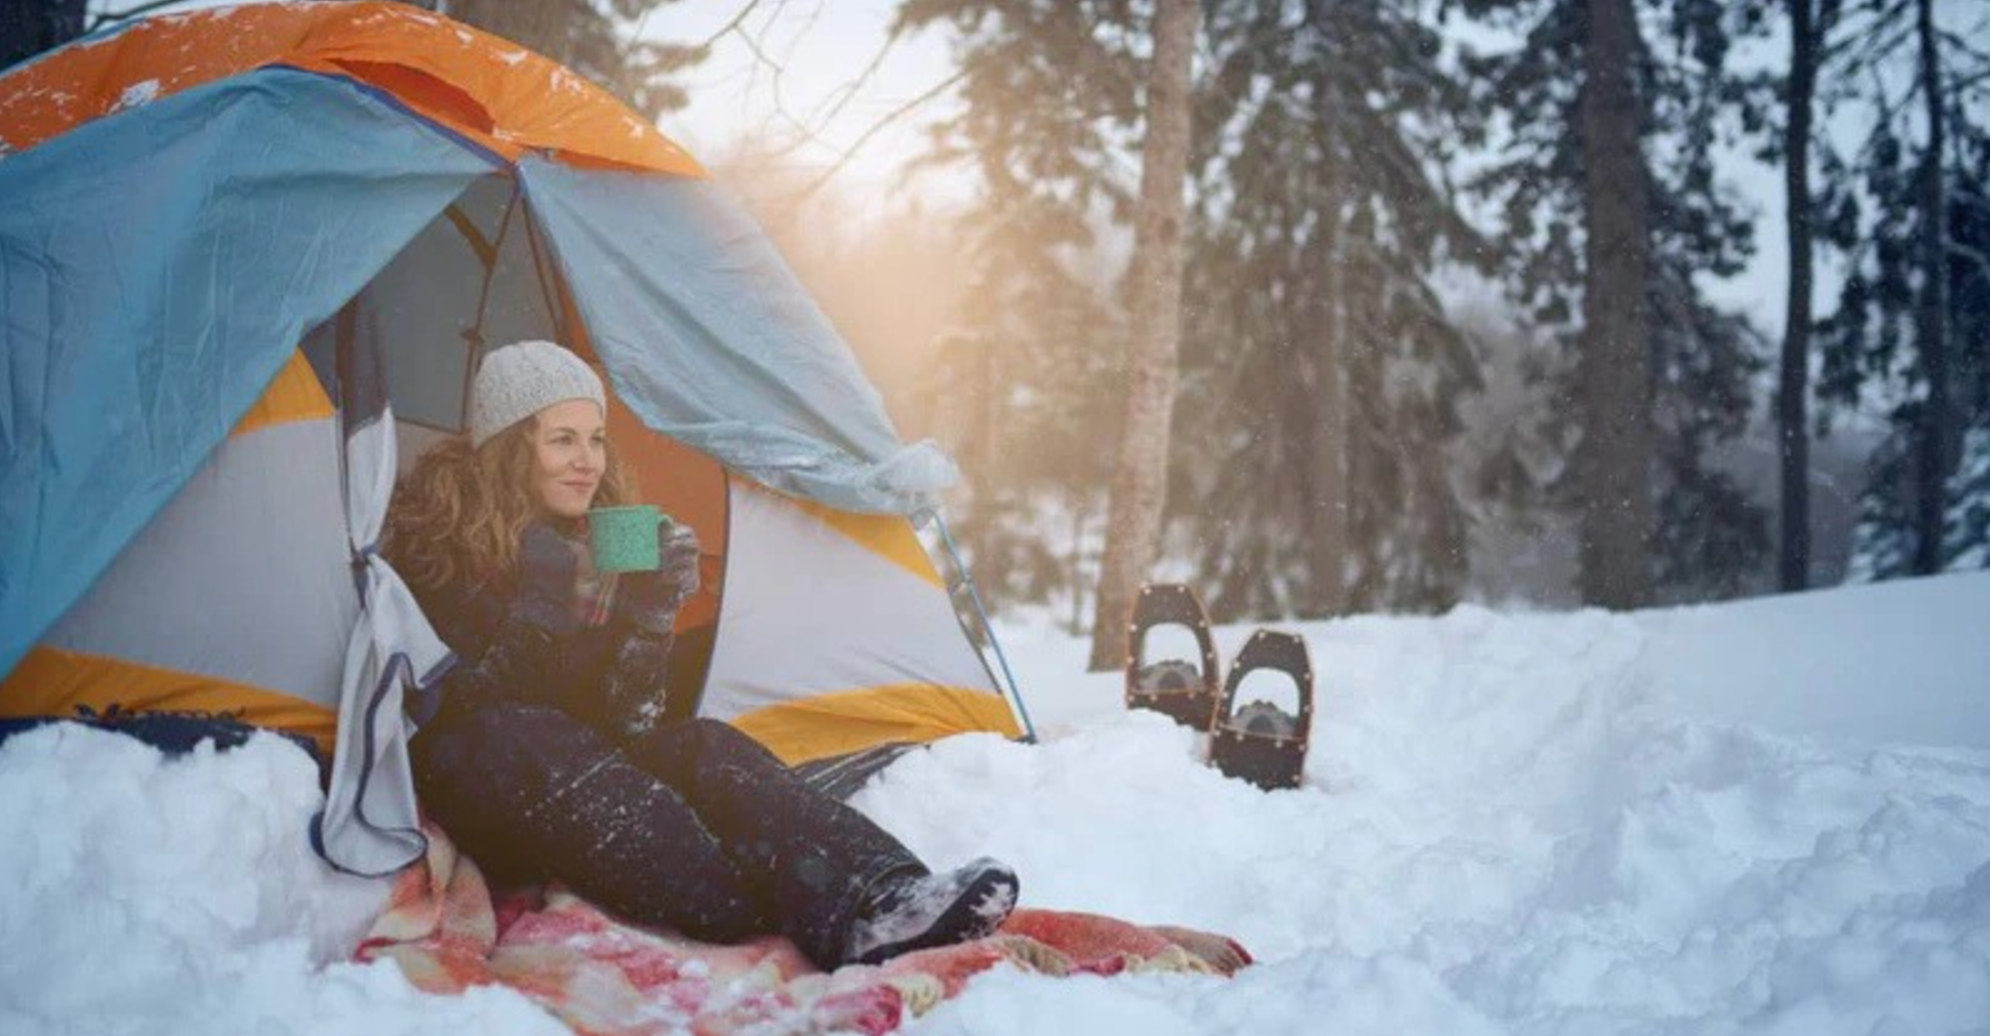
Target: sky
{"x": 793, "y": 65}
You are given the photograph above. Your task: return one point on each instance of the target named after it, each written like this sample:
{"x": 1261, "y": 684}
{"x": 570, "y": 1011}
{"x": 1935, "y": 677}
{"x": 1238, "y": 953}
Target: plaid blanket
{"x": 605, "y": 977}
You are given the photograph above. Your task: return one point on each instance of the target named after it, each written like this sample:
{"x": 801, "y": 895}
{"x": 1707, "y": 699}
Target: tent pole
{"x": 981, "y": 612}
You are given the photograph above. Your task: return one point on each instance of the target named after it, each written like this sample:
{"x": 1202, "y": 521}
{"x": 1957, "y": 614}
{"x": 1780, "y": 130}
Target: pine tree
{"x": 1018, "y": 378}
{"x": 1908, "y": 330}
{"x": 1966, "y": 529}
{"x": 1609, "y": 241}
{"x": 1969, "y": 278}
{"x": 1051, "y": 92}
{"x": 1322, "y": 374}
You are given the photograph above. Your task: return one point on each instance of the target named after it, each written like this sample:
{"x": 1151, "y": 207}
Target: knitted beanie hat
{"x": 521, "y": 379}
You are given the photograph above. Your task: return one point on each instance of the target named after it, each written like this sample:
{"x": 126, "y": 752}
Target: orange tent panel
{"x": 494, "y": 93}
{"x": 688, "y": 486}
{"x": 295, "y": 395}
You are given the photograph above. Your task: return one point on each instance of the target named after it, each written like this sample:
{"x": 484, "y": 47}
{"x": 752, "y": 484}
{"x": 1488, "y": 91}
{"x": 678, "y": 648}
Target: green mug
{"x": 623, "y": 539}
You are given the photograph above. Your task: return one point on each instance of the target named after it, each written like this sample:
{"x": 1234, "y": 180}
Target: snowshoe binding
{"x": 1185, "y": 690}
{"x": 1261, "y": 742}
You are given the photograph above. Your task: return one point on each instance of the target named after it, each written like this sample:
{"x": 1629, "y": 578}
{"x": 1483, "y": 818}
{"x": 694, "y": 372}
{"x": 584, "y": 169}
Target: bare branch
{"x": 106, "y": 17}
{"x": 731, "y": 26}
{"x": 1957, "y": 43}
{"x": 802, "y": 130}
{"x": 1976, "y": 257}
{"x": 844, "y": 94}
{"x": 758, "y": 46}
{"x": 1871, "y": 32}
{"x": 890, "y": 117}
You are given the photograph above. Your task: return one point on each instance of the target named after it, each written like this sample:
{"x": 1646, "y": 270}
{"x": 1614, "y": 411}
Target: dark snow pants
{"x": 693, "y": 826}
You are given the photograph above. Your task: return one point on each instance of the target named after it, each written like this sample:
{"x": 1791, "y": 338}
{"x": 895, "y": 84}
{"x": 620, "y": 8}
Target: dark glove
{"x": 544, "y": 593}
{"x": 649, "y": 600}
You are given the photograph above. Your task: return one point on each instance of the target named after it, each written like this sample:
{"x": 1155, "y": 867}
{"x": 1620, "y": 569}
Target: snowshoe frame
{"x": 1162, "y": 604}
{"x": 1266, "y": 759}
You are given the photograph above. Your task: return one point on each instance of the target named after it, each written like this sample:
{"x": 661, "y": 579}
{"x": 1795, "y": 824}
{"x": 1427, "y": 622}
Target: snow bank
{"x": 1699, "y": 820}
{"x": 154, "y": 897}
{"x": 1691, "y": 821}
{"x": 1907, "y": 661}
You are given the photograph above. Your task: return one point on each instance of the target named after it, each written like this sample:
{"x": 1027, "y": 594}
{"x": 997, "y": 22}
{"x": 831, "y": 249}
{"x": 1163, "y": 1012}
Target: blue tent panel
{"x": 712, "y": 341}
{"x": 157, "y": 268}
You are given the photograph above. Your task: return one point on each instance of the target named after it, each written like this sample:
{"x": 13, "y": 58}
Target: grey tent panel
{"x": 254, "y": 542}
{"x": 471, "y": 277}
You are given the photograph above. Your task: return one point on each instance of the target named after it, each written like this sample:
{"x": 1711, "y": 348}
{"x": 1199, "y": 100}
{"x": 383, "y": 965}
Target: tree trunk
{"x": 1328, "y": 463}
{"x": 1792, "y": 400}
{"x": 1139, "y": 481}
{"x": 1932, "y": 320}
{"x": 1614, "y": 459}
{"x": 1327, "y": 457}
{"x": 982, "y": 458}
{"x": 1079, "y": 513}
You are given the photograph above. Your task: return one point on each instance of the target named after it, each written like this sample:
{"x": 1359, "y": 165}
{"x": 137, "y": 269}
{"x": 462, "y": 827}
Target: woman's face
{"x": 570, "y": 445}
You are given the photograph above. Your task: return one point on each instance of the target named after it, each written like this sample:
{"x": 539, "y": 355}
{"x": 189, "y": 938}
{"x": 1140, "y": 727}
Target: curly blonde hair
{"x": 455, "y": 521}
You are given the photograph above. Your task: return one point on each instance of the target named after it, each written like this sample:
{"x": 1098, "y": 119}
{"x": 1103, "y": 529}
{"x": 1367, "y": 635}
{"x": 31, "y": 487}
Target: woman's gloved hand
{"x": 649, "y": 600}
{"x": 635, "y": 695}
{"x": 547, "y": 567}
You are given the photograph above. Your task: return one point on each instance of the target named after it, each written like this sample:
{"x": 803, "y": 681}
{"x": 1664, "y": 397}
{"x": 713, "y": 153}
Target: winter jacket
{"x": 606, "y": 673}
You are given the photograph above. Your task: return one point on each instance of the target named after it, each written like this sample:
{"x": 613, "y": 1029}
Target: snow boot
{"x": 1262, "y": 743}
{"x": 920, "y": 913}
{"x": 1184, "y": 690}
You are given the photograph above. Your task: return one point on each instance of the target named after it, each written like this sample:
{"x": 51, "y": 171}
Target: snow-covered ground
{"x": 1766, "y": 817}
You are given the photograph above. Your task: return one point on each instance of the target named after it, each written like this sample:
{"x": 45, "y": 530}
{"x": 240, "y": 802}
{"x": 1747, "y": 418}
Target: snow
{"x": 1878, "y": 670}
{"x": 149, "y": 897}
{"x": 137, "y": 95}
{"x": 1765, "y": 817}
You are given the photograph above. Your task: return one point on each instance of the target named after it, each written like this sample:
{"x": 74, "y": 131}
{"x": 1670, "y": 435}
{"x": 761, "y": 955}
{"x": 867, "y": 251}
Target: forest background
{"x": 1330, "y": 307}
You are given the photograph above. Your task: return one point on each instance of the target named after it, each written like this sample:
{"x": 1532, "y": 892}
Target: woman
{"x": 548, "y": 756}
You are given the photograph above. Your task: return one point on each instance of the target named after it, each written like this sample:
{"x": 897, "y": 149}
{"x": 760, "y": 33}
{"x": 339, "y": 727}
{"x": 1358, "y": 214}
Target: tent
{"x": 249, "y": 260}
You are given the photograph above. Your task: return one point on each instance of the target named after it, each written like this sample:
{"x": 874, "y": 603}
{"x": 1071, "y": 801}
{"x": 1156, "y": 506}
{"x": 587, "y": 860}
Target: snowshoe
{"x": 1261, "y": 742}
{"x": 1185, "y": 690}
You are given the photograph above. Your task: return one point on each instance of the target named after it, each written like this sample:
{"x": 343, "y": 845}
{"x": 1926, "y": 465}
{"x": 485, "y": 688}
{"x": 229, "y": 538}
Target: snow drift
{"x": 1764, "y": 817}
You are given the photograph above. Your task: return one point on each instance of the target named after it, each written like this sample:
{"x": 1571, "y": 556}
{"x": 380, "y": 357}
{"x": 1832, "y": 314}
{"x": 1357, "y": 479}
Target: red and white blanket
{"x": 605, "y": 977}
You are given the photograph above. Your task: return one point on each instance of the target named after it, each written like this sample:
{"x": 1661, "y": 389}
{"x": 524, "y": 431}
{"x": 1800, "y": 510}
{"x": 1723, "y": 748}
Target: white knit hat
{"x": 523, "y": 378}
